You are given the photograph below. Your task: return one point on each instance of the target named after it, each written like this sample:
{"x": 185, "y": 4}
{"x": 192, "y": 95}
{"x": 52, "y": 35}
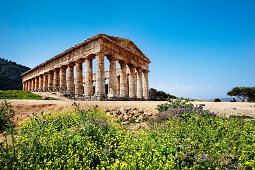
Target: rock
{"x": 126, "y": 117}
{"x": 141, "y": 111}
{"x": 45, "y": 98}
{"x": 122, "y": 110}
{"x": 137, "y": 121}
{"x": 128, "y": 109}
{"x": 117, "y": 110}
{"x": 123, "y": 123}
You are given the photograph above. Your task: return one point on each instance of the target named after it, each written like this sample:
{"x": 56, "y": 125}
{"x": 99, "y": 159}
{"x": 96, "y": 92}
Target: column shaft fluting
{"x": 28, "y": 85}
{"x": 118, "y": 85}
{"x": 88, "y": 84}
{"x": 56, "y": 79}
{"x": 70, "y": 79}
{"x": 40, "y": 82}
{"x": 139, "y": 83}
{"x": 100, "y": 77}
{"x": 36, "y": 83}
{"x": 33, "y": 85}
{"x": 78, "y": 80}
{"x": 50, "y": 81}
{"x": 132, "y": 91}
{"x": 63, "y": 77}
{"x": 45, "y": 81}
{"x": 123, "y": 79}
{"x": 112, "y": 84}
{"x": 145, "y": 85}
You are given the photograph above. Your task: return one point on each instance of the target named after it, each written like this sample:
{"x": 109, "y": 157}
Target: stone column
{"x": 36, "y": 83}
{"x": 78, "y": 79}
{"x": 70, "y": 79}
{"x": 145, "y": 85}
{"x": 100, "y": 77}
{"x": 63, "y": 77}
{"x": 132, "y": 91}
{"x": 88, "y": 82}
{"x": 28, "y": 85}
{"x": 40, "y": 82}
{"x": 56, "y": 79}
{"x": 50, "y": 81}
{"x": 123, "y": 79}
{"x": 45, "y": 82}
{"x": 33, "y": 84}
{"x": 135, "y": 83}
{"x": 118, "y": 85}
{"x": 139, "y": 83}
{"x": 23, "y": 86}
{"x": 112, "y": 84}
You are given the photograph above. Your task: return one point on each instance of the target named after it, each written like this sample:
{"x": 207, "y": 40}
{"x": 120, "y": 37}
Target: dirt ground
{"x": 23, "y": 108}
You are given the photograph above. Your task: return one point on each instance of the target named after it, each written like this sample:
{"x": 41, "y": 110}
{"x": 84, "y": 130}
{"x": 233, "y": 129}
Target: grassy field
{"x": 89, "y": 139}
{"x": 19, "y": 94}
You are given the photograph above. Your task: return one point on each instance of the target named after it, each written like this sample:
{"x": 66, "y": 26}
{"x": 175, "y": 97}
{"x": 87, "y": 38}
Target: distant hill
{"x": 10, "y": 75}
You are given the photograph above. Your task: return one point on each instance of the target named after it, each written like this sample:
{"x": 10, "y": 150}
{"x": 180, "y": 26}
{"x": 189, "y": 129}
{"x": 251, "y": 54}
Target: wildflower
{"x": 96, "y": 105}
{"x": 81, "y": 110}
{"x": 32, "y": 113}
{"x": 54, "y": 120}
{"x": 4, "y": 133}
{"x": 41, "y": 111}
{"x": 43, "y": 120}
{"x": 6, "y": 114}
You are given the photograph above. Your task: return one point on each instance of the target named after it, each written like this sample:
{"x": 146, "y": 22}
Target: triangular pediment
{"x": 126, "y": 44}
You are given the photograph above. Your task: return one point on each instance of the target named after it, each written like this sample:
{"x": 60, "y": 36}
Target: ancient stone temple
{"x": 64, "y": 72}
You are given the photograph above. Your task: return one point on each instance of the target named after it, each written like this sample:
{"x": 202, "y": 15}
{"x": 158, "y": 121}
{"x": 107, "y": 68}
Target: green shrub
{"x": 6, "y": 114}
{"x": 217, "y": 100}
{"x": 175, "y": 103}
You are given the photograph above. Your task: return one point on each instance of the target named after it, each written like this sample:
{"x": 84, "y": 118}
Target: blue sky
{"x": 199, "y": 49}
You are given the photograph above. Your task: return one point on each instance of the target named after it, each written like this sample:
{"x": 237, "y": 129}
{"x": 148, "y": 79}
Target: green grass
{"x": 19, "y": 94}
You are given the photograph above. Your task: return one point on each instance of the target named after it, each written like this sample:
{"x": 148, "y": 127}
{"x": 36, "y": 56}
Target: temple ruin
{"x": 129, "y": 82}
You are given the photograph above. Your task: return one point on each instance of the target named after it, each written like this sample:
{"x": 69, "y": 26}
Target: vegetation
{"x": 19, "y": 94}
{"x": 217, "y": 100}
{"x": 243, "y": 93}
{"x": 159, "y": 95}
{"x": 6, "y": 114}
{"x": 10, "y": 75}
{"x": 180, "y": 138}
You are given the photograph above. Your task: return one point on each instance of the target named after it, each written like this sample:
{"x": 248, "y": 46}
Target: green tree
{"x": 159, "y": 95}
{"x": 243, "y": 93}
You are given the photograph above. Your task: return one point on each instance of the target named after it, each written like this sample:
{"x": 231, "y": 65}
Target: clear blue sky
{"x": 197, "y": 48}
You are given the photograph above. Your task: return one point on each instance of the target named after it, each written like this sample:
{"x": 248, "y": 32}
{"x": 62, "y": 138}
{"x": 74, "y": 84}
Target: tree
{"x": 159, "y": 95}
{"x": 243, "y": 93}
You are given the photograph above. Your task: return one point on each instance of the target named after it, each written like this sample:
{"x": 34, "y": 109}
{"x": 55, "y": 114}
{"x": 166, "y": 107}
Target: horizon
{"x": 197, "y": 50}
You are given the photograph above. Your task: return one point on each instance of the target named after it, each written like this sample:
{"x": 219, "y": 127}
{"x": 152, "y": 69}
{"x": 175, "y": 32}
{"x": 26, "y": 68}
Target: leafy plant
{"x": 175, "y": 103}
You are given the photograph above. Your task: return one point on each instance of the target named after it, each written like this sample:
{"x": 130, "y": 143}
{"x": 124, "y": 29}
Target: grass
{"x": 19, "y": 94}
{"x": 176, "y": 139}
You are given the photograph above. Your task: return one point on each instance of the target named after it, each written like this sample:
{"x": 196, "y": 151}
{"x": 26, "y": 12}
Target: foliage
{"x": 159, "y": 95}
{"x": 243, "y": 93}
{"x": 217, "y": 100}
{"x": 10, "y": 75}
{"x": 19, "y": 94}
{"x": 181, "y": 138}
{"x": 6, "y": 114}
{"x": 175, "y": 103}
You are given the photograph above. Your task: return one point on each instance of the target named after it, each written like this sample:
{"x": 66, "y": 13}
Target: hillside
{"x": 10, "y": 75}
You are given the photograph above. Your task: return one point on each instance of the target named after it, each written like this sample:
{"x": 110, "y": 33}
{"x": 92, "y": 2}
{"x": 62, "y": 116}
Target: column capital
{"x": 146, "y": 71}
{"x": 71, "y": 64}
{"x": 100, "y": 54}
{"x": 138, "y": 69}
{"x": 111, "y": 58}
{"x": 56, "y": 69}
{"x": 80, "y": 61}
{"x": 63, "y": 67}
{"x": 122, "y": 62}
{"x": 90, "y": 57}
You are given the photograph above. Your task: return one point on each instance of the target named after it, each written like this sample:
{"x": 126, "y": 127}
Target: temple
{"x": 130, "y": 81}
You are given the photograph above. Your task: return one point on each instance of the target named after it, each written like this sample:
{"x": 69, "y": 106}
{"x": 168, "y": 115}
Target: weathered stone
{"x": 45, "y": 98}
{"x": 123, "y": 83}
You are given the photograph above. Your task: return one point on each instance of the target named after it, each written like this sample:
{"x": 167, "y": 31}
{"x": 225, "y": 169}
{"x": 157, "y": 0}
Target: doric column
{"x": 88, "y": 81}
{"x": 23, "y": 86}
{"x": 78, "y": 79}
{"x": 139, "y": 83}
{"x": 123, "y": 79}
{"x": 36, "y": 83}
{"x": 63, "y": 77}
{"x": 70, "y": 79}
{"x": 135, "y": 83}
{"x": 56, "y": 79}
{"x": 132, "y": 91}
{"x": 127, "y": 88}
{"x": 118, "y": 85}
{"x": 50, "y": 81}
{"x": 40, "y": 82}
{"x": 33, "y": 84}
{"x": 100, "y": 77}
{"x": 112, "y": 84}
{"x": 145, "y": 85}
{"x": 28, "y": 85}
{"x": 45, "y": 81}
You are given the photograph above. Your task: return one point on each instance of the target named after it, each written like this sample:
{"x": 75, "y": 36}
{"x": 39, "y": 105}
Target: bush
{"x": 6, "y": 114}
{"x": 182, "y": 138}
{"x": 177, "y": 103}
{"x": 159, "y": 95}
{"x": 217, "y": 100}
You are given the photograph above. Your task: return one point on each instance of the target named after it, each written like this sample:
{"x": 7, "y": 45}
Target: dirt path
{"x": 23, "y": 108}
